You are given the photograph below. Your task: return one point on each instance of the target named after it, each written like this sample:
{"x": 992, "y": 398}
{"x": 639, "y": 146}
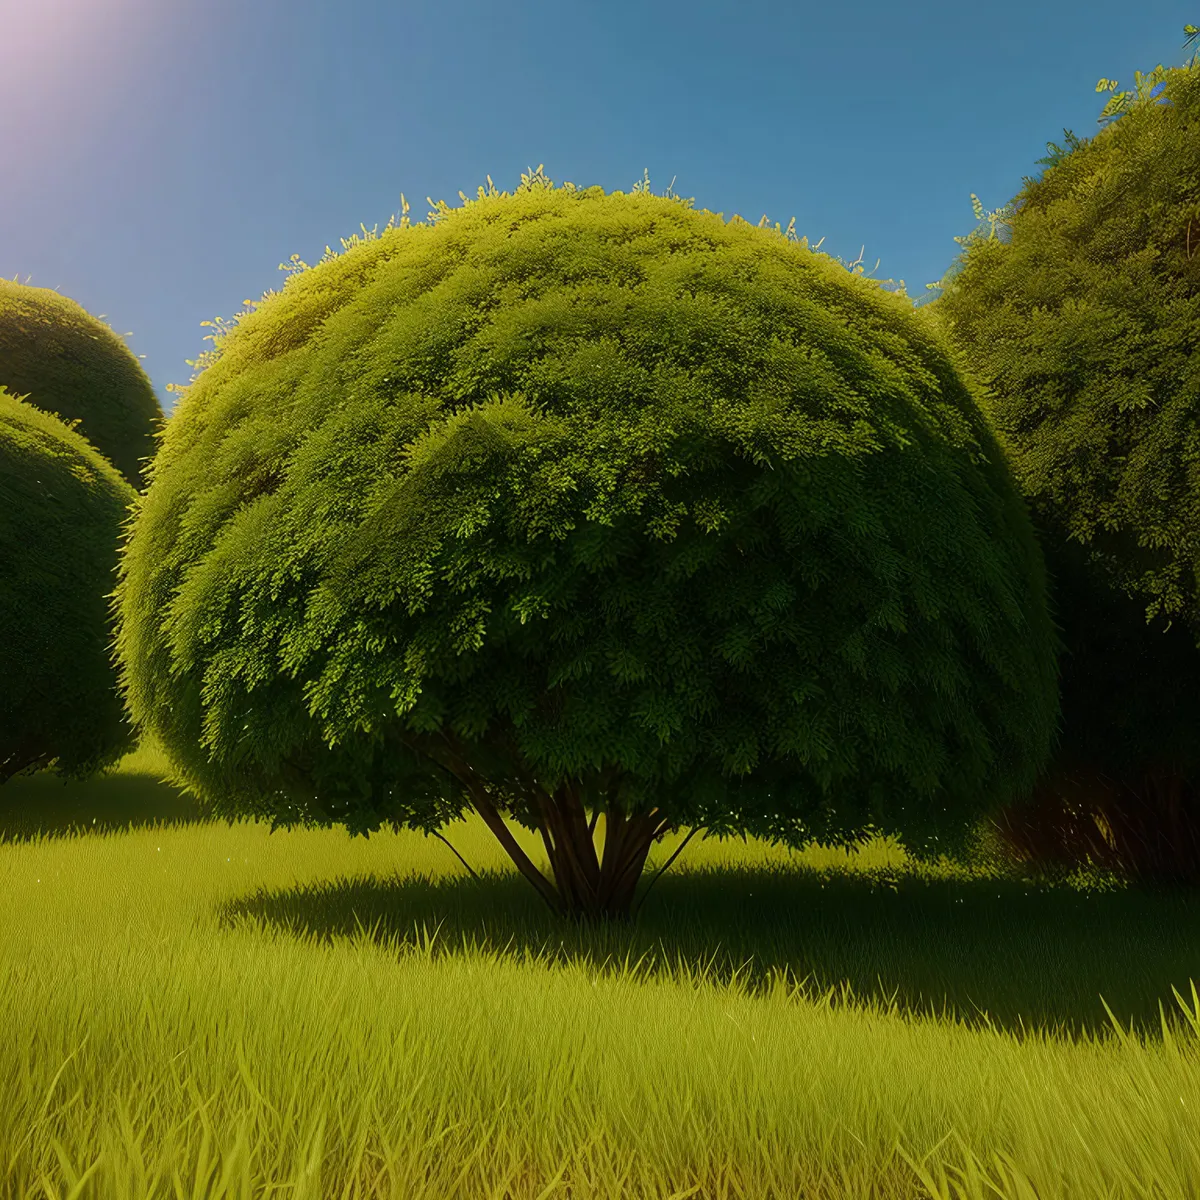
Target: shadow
{"x": 46, "y": 805}
{"x": 1030, "y": 956}
{"x": 1024, "y": 956}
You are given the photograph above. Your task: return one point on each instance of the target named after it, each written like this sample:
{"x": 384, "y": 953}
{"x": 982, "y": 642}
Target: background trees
{"x": 64, "y": 361}
{"x": 77, "y": 412}
{"x": 1083, "y": 326}
{"x": 61, "y": 508}
{"x": 1079, "y": 331}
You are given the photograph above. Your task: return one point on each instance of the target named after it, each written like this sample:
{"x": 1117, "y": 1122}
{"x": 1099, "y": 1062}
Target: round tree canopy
{"x": 599, "y": 496}
{"x": 61, "y": 359}
{"x": 62, "y": 504}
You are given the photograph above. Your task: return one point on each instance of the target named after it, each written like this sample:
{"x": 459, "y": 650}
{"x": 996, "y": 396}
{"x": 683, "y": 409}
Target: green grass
{"x": 193, "y": 1009}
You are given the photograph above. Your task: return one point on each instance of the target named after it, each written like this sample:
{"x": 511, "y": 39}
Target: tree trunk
{"x": 590, "y": 887}
{"x": 1154, "y": 827}
{"x": 586, "y": 887}
{"x": 1146, "y": 831}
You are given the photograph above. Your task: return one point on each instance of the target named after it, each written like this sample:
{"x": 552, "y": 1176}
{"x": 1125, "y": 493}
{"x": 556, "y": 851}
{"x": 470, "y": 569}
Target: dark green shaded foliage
{"x": 61, "y": 508}
{"x": 57, "y": 356}
{"x": 1121, "y": 791}
{"x": 1133, "y": 668}
{"x": 570, "y": 501}
{"x": 1083, "y": 328}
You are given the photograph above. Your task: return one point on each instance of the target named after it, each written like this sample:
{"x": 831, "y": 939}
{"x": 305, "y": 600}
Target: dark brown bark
{"x": 593, "y": 889}
{"x": 570, "y": 847}
{"x": 586, "y": 886}
{"x": 627, "y": 844}
{"x": 453, "y": 756}
{"x": 1145, "y": 830}
{"x": 525, "y": 865}
{"x": 1154, "y": 827}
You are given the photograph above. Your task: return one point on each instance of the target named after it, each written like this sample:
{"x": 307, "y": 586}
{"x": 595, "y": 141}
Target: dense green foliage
{"x": 1083, "y": 325}
{"x": 571, "y": 502}
{"x": 61, "y": 508}
{"x": 57, "y": 356}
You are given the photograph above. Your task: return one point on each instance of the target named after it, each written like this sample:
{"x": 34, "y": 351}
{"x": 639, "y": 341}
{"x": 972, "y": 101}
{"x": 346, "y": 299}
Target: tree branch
{"x": 634, "y": 850}
{"x": 459, "y": 856}
{"x": 661, "y": 869}
{"x": 456, "y": 762}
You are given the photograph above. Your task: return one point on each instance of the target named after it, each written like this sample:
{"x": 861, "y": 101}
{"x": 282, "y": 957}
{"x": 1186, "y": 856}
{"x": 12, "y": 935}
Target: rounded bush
{"x": 607, "y": 494}
{"x": 62, "y": 504}
{"x": 58, "y": 357}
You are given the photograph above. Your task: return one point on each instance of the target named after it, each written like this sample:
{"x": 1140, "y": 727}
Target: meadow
{"x": 194, "y": 1009}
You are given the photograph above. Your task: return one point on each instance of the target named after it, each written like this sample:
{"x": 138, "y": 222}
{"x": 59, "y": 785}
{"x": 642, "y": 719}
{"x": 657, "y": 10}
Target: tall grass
{"x": 193, "y": 1009}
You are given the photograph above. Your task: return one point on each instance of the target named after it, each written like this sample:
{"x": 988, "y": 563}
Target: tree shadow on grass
{"x": 1031, "y": 956}
{"x": 46, "y": 805}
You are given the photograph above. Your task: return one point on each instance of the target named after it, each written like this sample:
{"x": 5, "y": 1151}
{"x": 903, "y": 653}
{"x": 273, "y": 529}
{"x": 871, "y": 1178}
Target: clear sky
{"x": 158, "y": 161}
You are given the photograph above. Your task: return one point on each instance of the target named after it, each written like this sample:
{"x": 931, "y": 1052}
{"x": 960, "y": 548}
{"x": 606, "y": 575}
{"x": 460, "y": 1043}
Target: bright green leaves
{"x": 594, "y": 483}
{"x": 66, "y": 362}
{"x": 1083, "y": 328}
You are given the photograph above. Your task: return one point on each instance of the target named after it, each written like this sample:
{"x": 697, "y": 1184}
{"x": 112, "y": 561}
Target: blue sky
{"x": 161, "y": 160}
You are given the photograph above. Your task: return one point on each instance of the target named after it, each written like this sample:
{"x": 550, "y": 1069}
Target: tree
{"x": 570, "y": 503}
{"x": 60, "y": 358}
{"x": 1082, "y": 327}
{"x": 1147, "y": 89}
{"x": 1119, "y": 792}
{"x": 61, "y": 508}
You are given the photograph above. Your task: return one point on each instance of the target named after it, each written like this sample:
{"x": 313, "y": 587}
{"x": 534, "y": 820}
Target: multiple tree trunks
{"x": 1146, "y": 830}
{"x": 586, "y": 887}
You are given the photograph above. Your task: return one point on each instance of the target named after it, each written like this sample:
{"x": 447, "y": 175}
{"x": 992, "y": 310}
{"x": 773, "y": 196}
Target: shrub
{"x": 64, "y": 361}
{"x": 61, "y": 507}
{"x": 571, "y": 502}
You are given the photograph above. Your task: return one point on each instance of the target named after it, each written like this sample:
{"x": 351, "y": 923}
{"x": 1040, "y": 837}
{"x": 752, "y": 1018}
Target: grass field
{"x": 194, "y": 1009}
